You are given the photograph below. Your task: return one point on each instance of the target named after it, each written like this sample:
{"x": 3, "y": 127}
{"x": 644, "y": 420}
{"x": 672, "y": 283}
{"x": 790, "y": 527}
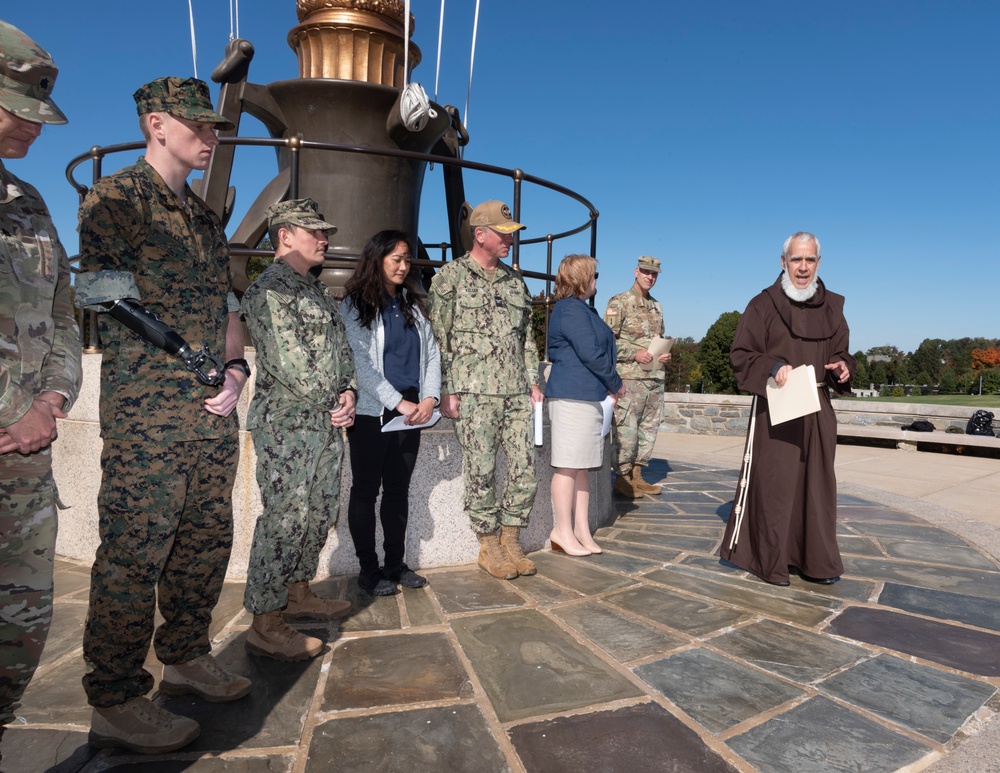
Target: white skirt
{"x": 576, "y": 433}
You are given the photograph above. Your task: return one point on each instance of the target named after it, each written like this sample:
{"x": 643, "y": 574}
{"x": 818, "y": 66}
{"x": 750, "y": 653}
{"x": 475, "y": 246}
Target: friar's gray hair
{"x": 800, "y": 236}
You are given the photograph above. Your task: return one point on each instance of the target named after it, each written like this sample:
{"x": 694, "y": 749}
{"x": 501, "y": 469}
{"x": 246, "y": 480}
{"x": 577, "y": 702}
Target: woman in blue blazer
{"x": 583, "y": 354}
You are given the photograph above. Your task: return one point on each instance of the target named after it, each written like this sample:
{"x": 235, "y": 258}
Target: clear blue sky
{"x": 705, "y": 132}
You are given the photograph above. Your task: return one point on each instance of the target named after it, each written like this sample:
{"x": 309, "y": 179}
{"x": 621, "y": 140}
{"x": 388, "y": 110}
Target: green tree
{"x": 683, "y": 369}
{"x": 949, "y": 381}
{"x": 862, "y": 377}
{"x": 878, "y": 375}
{"x": 713, "y": 354}
{"x": 928, "y": 359}
{"x": 538, "y": 322}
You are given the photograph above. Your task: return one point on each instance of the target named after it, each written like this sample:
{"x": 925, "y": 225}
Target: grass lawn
{"x": 973, "y": 401}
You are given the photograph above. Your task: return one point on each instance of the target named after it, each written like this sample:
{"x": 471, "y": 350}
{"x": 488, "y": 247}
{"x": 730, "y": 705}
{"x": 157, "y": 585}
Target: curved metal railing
{"x": 295, "y": 145}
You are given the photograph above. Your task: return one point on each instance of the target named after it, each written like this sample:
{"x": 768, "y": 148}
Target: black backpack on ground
{"x": 981, "y": 423}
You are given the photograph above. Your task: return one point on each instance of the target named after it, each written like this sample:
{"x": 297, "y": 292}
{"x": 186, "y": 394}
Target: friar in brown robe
{"x": 789, "y": 516}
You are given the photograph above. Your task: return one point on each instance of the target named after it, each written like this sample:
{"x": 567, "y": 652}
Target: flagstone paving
{"x": 652, "y": 656}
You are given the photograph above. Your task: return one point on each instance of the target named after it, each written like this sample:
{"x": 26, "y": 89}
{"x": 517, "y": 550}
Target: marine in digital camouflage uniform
{"x": 170, "y": 442}
{"x": 636, "y": 317}
{"x": 480, "y": 311}
{"x": 304, "y": 394}
{"x": 39, "y": 369}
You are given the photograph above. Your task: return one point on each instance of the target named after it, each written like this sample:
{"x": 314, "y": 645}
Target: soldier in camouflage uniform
{"x": 39, "y": 369}
{"x": 480, "y": 311}
{"x": 636, "y": 317}
{"x": 304, "y": 396}
{"x": 170, "y": 442}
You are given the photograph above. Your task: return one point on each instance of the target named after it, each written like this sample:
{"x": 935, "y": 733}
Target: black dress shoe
{"x": 779, "y": 583}
{"x": 406, "y": 577}
{"x": 817, "y": 580}
{"x": 377, "y": 585}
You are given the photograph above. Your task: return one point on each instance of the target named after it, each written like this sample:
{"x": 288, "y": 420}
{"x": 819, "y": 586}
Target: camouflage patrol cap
{"x": 27, "y": 75}
{"x": 495, "y": 215}
{"x": 301, "y": 212}
{"x": 183, "y": 98}
{"x": 647, "y": 263}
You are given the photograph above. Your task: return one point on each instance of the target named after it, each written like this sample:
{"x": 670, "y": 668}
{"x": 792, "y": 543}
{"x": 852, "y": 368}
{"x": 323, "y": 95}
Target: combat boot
{"x": 494, "y": 559}
{"x": 640, "y": 485}
{"x": 624, "y": 488}
{"x": 141, "y": 726}
{"x": 271, "y": 637}
{"x": 512, "y": 548}
{"x": 304, "y": 604}
{"x": 204, "y": 677}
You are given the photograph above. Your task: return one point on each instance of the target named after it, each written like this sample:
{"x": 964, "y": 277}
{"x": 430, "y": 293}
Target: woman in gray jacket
{"x": 398, "y": 366}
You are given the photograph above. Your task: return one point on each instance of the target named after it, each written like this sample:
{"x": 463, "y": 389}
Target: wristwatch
{"x": 241, "y": 364}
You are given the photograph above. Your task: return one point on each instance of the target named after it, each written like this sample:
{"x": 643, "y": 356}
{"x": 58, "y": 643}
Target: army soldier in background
{"x": 170, "y": 441}
{"x": 39, "y": 369}
{"x": 305, "y": 394}
{"x": 480, "y": 311}
{"x": 636, "y": 317}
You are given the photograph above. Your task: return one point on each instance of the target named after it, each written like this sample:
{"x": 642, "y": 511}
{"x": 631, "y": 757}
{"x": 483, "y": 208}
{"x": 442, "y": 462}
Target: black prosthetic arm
{"x": 158, "y": 333}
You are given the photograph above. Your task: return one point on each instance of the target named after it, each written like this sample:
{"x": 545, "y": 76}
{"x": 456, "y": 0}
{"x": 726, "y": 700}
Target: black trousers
{"x": 383, "y": 461}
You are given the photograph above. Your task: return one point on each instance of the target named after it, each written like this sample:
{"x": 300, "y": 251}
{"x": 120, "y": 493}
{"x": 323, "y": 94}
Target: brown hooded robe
{"x": 790, "y": 518}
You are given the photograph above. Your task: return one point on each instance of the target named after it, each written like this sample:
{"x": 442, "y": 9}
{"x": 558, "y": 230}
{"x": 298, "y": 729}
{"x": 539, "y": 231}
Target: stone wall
{"x": 438, "y": 533}
{"x": 728, "y": 414}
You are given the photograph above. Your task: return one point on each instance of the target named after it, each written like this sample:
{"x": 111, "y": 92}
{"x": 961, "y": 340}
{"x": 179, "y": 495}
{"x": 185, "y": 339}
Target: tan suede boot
{"x": 271, "y": 637}
{"x": 141, "y": 726}
{"x": 640, "y": 485}
{"x": 509, "y": 536}
{"x": 494, "y": 559}
{"x": 304, "y": 604}
{"x": 624, "y": 488}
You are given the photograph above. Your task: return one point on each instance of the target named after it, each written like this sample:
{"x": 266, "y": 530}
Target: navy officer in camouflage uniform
{"x": 636, "y": 317}
{"x": 39, "y": 369}
{"x": 304, "y": 397}
{"x": 170, "y": 441}
{"x": 480, "y": 311}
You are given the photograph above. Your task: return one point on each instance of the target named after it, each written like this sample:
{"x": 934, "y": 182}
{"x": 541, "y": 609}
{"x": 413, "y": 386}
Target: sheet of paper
{"x": 399, "y": 423}
{"x": 537, "y": 412}
{"x": 608, "y": 406}
{"x": 798, "y": 397}
{"x": 657, "y": 346}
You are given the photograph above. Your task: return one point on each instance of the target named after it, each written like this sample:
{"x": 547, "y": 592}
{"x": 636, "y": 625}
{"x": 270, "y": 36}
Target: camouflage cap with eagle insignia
{"x": 27, "y": 75}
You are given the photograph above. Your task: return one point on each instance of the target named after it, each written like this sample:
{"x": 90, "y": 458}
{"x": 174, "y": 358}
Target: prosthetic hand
{"x": 158, "y": 333}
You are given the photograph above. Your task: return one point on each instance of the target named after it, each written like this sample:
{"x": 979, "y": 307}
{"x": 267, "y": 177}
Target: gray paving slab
{"x": 696, "y": 617}
{"x": 453, "y": 738}
{"x": 393, "y": 670}
{"x": 470, "y": 589}
{"x": 820, "y": 736}
{"x": 419, "y": 607}
{"x": 938, "y": 553}
{"x": 622, "y": 636}
{"x": 581, "y": 576}
{"x": 968, "y": 581}
{"x": 717, "y": 692}
{"x": 798, "y": 655}
{"x": 971, "y": 610}
{"x": 926, "y": 700}
{"x": 529, "y": 666}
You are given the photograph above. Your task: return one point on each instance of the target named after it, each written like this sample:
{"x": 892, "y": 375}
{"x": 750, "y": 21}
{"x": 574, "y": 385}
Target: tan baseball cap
{"x": 647, "y": 263}
{"x": 27, "y": 75}
{"x": 495, "y": 215}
